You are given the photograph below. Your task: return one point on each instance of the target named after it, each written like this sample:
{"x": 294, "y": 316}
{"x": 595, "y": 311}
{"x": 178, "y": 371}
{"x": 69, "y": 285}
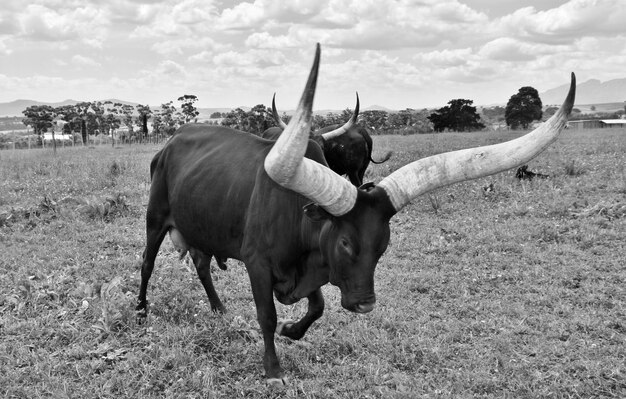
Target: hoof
{"x": 282, "y": 325}
{"x": 141, "y": 316}
{"x": 218, "y": 309}
{"x": 277, "y": 382}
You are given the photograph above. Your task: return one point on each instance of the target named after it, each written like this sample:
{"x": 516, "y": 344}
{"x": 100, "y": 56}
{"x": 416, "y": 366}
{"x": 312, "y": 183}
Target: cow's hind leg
{"x": 298, "y": 329}
{"x": 203, "y": 267}
{"x": 155, "y": 232}
{"x": 221, "y": 262}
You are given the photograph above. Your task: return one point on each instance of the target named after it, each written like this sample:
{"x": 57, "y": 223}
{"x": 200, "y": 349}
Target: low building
{"x": 597, "y": 123}
{"x": 47, "y": 137}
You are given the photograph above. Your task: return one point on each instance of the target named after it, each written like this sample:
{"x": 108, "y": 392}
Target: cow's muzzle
{"x": 359, "y": 306}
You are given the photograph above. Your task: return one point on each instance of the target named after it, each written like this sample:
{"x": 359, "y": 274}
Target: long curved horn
{"x": 286, "y": 165}
{"x": 440, "y": 170}
{"x": 277, "y": 118}
{"x": 341, "y": 130}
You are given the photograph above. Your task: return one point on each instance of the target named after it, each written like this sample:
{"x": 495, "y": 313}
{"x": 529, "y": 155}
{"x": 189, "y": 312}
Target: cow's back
{"x": 209, "y": 173}
{"x": 218, "y": 192}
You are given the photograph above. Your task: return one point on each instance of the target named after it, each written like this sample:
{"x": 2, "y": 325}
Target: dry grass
{"x": 516, "y": 291}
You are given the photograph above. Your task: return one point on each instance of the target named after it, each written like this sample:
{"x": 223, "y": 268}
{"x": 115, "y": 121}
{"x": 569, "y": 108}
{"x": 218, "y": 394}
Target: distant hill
{"x": 15, "y": 108}
{"x": 378, "y": 108}
{"x": 608, "y": 96}
{"x": 590, "y": 92}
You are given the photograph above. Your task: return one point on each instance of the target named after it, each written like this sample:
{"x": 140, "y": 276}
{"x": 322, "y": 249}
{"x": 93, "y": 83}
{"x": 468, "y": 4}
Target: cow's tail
{"x": 385, "y": 158}
{"x": 153, "y": 164}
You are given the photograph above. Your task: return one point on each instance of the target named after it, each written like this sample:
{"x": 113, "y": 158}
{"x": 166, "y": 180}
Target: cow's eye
{"x": 347, "y": 247}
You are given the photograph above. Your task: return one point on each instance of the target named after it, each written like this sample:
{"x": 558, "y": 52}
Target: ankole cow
{"x": 294, "y": 223}
{"x": 347, "y": 148}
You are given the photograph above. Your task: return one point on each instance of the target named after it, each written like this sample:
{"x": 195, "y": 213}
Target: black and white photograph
{"x": 312, "y": 199}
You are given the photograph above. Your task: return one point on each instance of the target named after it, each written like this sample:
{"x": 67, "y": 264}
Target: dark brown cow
{"x": 347, "y": 148}
{"x": 294, "y": 223}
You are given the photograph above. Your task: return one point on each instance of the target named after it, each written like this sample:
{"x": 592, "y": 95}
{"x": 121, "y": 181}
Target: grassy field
{"x": 517, "y": 291}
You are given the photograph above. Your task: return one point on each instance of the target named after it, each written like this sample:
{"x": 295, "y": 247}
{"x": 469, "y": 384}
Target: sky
{"x": 395, "y": 53}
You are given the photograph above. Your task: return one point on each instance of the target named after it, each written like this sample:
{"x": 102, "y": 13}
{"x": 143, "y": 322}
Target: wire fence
{"x": 62, "y": 141}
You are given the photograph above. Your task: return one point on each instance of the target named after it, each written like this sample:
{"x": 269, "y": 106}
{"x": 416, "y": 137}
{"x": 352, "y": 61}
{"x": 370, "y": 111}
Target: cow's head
{"x": 356, "y": 229}
{"x": 351, "y": 244}
{"x": 321, "y": 136}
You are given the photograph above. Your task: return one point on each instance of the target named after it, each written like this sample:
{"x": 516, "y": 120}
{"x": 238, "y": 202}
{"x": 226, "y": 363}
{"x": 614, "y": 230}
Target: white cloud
{"x": 261, "y": 14}
{"x": 4, "y": 48}
{"x": 49, "y": 88}
{"x": 84, "y": 24}
{"x": 445, "y": 58}
{"x": 8, "y": 25}
{"x": 203, "y": 57}
{"x": 190, "y": 12}
{"x": 389, "y": 50}
{"x": 259, "y": 58}
{"x": 80, "y": 60}
{"x": 266, "y": 40}
{"x": 171, "y": 68}
{"x": 574, "y": 19}
{"x": 129, "y": 12}
{"x": 180, "y": 46}
{"x": 242, "y": 16}
{"x": 365, "y": 24}
{"x": 507, "y": 49}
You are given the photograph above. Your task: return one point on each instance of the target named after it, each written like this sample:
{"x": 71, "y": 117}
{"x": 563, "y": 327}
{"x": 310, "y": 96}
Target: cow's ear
{"x": 315, "y": 212}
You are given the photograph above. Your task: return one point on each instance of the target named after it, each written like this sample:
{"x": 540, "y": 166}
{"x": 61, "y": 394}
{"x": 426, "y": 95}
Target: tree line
{"x": 260, "y": 117}
{"x": 107, "y": 117}
{"x": 459, "y": 115}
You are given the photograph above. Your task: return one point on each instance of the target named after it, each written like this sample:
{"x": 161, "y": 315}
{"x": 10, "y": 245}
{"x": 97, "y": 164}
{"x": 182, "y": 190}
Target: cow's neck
{"x": 309, "y": 273}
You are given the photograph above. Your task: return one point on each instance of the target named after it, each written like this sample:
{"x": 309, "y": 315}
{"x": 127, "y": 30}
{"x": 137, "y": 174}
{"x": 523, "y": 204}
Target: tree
{"x": 523, "y": 108}
{"x": 127, "y": 111}
{"x": 72, "y": 118}
{"x": 111, "y": 119}
{"x": 374, "y": 119}
{"x": 235, "y": 119}
{"x": 258, "y": 119}
{"x": 189, "y": 111}
{"x": 84, "y": 113}
{"x": 317, "y": 122}
{"x": 401, "y": 119}
{"x": 549, "y": 112}
{"x": 39, "y": 117}
{"x": 144, "y": 113}
{"x": 459, "y": 115}
{"x": 332, "y": 118}
{"x": 166, "y": 120}
{"x": 68, "y": 114}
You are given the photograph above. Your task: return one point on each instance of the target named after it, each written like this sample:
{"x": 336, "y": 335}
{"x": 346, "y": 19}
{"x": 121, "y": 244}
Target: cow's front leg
{"x": 298, "y": 329}
{"x": 261, "y": 283}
